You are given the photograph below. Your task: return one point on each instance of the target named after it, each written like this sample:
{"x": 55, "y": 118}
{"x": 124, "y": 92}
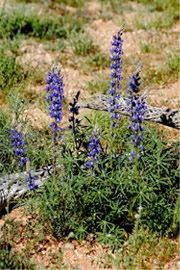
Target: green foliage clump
{"x": 98, "y": 86}
{"x": 160, "y": 5}
{"x": 97, "y": 61}
{"x": 14, "y": 23}
{"x": 11, "y": 72}
{"x": 166, "y": 71}
{"x": 6, "y": 159}
{"x": 72, "y": 3}
{"x": 169, "y": 13}
{"x": 82, "y": 44}
{"x": 145, "y": 247}
{"x": 106, "y": 201}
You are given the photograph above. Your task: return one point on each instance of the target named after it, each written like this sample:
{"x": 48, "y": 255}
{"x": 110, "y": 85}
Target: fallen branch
{"x": 161, "y": 115}
{"x": 13, "y": 186}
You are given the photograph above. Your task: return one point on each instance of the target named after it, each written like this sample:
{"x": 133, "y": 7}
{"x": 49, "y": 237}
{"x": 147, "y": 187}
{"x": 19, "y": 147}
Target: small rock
{"x": 69, "y": 246}
{"x": 178, "y": 265}
{"x": 75, "y": 243}
{"x": 1, "y": 223}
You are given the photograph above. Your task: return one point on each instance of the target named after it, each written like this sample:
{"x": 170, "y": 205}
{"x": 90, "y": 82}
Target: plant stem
{"x": 136, "y": 169}
{"x": 54, "y": 154}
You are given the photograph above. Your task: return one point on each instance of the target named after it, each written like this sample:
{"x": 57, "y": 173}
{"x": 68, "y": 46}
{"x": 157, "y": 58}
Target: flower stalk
{"x": 95, "y": 149}
{"x": 74, "y": 122}
{"x": 115, "y": 86}
{"x": 136, "y": 107}
{"x": 55, "y": 99}
{"x": 18, "y": 142}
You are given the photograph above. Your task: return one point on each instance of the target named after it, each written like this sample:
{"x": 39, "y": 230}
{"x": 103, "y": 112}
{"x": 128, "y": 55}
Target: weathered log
{"x": 162, "y": 115}
{"x": 13, "y": 186}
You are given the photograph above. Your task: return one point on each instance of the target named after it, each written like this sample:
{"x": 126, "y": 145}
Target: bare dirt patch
{"x": 74, "y": 81}
{"x": 173, "y": 264}
{"x": 169, "y": 96}
{"x": 38, "y": 118}
{"x": 102, "y": 33}
{"x": 2, "y": 98}
{"x": 49, "y": 253}
{"x": 175, "y": 28}
{"x": 71, "y": 253}
{"x": 33, "y": 54}
{"x": 94, "y": 6}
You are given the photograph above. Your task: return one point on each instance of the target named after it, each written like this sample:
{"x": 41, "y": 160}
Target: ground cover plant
{"x": 114, "y": 178}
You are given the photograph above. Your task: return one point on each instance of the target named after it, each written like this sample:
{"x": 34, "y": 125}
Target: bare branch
{"x": 161, "y": 115}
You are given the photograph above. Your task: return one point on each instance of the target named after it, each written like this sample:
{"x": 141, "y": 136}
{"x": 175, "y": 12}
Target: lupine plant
{"x": 109, "y": 205}
{"x": 74, "y": 121}
{"x": 95, "y": 149}
{"x": 18, "y": 142}
{"x": 55, "y": 98}
{"x": 74, "y": 110}
{"x": 136, "y": 107}
{"x": 115, "y": 86}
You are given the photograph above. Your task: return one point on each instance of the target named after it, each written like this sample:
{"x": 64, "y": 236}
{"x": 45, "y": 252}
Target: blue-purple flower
{"x": 31, "y": 182}
{"x": 74, "y": 111}
{"x": 136, "y": 107}
{"x": 95, "y": 149}
{"x": 55, "y": 87}
{"x": 115, "y": 86}
{"x": 18, "y": 143}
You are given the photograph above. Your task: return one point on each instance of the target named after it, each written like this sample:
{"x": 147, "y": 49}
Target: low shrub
{"x": 11, "y": 72}
{"x": 14, "y": 22}
{"x": 106, "y": 201}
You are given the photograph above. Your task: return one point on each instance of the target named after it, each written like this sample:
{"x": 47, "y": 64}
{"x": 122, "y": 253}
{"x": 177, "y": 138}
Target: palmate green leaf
{"x": 117, "y": 209}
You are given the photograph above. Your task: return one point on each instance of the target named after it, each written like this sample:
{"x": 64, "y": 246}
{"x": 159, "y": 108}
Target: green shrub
{"x": 169, "y": 14}
{"x": 82, "y": 44}
{"x": 6, "y": 158}
{"x": 166, "y": 71}
{"x": 14, "y": 22}
{"x": 97, "y": 61}
{"x": 105, "y": 202}
{"x": 98, "y": 86}
{"x": 73, "y": 3}
{"x": 160, "y": 5}
{"x": 141, "y": 249}
{"x": 11, "y": 72}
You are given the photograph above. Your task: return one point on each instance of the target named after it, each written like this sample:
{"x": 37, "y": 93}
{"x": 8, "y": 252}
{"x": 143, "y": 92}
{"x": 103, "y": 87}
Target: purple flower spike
{"x": 55, "y": 87}
{"x": 18, "y": 143}
{"x": 74, "y": 111}
{"x": 95, "y": 149}
{"x": 136, "y": 107}
{"x": 116, "y": 67}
